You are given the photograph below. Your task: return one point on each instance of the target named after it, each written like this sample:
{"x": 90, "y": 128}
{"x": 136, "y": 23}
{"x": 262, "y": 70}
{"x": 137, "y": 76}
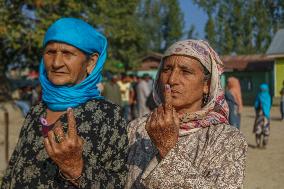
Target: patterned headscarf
{"x": 83, "y": 36}
{"x": 215, "y": 111}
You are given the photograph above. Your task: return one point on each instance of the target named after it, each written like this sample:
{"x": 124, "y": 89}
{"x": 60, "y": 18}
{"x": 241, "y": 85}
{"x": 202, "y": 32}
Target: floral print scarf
{"x": 215, "y": 111}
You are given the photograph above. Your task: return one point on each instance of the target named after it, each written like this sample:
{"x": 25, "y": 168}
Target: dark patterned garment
{"x": 206, "y": 158}
{"x": 261, "y": 128}
{"x": 103, "y": 130}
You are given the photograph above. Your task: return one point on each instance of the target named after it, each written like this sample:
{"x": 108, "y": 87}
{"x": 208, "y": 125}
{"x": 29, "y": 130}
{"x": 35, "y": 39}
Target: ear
{"x": 206, "y": 87}
{"x": 92, "y": 62}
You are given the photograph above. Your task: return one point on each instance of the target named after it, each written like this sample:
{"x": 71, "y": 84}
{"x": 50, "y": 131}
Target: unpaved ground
{"x": 265, "y": 168}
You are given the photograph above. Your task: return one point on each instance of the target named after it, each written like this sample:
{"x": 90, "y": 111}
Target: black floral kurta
{"x": 103, "y": 130}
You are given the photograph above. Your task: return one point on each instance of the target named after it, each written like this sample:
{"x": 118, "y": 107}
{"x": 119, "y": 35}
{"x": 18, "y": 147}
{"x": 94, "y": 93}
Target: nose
{"x": 58, "y": 60}
{"x": 173, "y": 79}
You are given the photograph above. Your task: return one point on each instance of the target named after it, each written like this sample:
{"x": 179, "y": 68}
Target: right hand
{"x": 66, "y": 153}
{"x": 163, "y": 125}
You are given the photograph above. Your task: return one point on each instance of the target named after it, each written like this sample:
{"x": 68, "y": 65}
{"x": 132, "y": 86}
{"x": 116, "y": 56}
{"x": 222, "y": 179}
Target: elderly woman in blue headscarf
{"x": 262, "y": 107}
{"x": 73, "y": 138}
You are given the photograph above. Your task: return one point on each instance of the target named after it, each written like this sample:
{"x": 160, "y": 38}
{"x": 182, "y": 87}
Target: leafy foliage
{"x": 132, "y": 27}
{"x": 242, "y": 27}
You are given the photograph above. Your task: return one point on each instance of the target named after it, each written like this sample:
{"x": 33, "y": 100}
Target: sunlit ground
{"x": 265, "y": 168}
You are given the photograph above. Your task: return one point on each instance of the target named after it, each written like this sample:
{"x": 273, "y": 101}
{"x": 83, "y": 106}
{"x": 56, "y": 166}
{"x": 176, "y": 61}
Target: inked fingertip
{"x": 167, "y": 87}
{"x": 69, "y": 110}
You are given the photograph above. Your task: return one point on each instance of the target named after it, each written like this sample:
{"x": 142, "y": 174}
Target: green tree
{"x": 242, "y": 26}
{"x": 228, "y": 43}
{"x": 122, "y": 29}
{"x": 210, "y": 32}
{"x": 262, "y": 26}
{"x": 132, "y": 27}
{"x": 192, "y": 33}
{"x": 24, "y": 24}
{"x": 150, "y": 16}
{"x": 172, "y": 22}
{"x": 162, "y": 22}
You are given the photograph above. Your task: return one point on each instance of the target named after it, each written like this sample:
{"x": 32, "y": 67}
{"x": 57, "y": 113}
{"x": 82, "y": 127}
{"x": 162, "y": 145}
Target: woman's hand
{"x": 66, "y": 150}
{"x": 163, "y": 125}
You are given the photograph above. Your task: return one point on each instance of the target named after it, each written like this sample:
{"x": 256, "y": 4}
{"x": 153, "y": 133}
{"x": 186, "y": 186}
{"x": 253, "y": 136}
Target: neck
{"x": 52, "y": 116}
{"x": 189, "y": 109}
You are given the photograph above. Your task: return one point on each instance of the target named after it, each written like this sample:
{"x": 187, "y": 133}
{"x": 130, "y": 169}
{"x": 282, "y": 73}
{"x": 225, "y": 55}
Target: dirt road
{"x": 265, "y": 168}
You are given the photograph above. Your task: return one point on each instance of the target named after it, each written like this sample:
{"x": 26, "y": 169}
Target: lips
{"x": 175, "y": 91}
{"x": 58, "y": 72}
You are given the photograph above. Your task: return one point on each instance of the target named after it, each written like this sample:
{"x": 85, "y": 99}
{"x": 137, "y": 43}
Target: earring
{"x": 205, "y": 98}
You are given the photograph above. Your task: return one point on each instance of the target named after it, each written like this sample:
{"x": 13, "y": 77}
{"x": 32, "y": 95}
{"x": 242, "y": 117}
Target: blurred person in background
{"x": 125, "y": 88}
{"x": 111, "y": 90}
{"x": 187, "y": 142}
{"x": 143, "y": 92}
{"x": 262, "y": 106}
{"x": 149, "y": 81}
{"x": 22, "y": 99}
{"x": 133, "y": 96}
{"x": 36, "y": 94}
{"x": 73, "y": 138}
{"x": 233, "y": 97}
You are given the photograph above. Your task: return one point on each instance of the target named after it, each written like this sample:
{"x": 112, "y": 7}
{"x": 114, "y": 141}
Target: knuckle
{"x": 72, "y": 122}
{"x": 71, "y": 144}
{"x": 168, "y": 121}
{"x": 49, "y": 134}
{"x": 56, "y": 129}
{"x": 160, "y": 122}
{"x": 147, "y": 127}
{"x": 81, "y": 142}
{"x": 56, "y": 153}
{"x": 50, "y": 153}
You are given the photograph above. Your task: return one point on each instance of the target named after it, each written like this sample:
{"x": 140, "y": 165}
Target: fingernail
{"x": 69, "y": 109}
{"x": 167, "y": 87}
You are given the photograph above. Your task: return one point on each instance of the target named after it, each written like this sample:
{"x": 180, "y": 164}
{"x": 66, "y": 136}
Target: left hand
{"x": 67, "y": 151}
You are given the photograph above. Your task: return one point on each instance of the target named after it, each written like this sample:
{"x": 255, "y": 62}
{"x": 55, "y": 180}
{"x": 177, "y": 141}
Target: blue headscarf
{"x": 83, "y": 36}
{"x": 263, "y": 99}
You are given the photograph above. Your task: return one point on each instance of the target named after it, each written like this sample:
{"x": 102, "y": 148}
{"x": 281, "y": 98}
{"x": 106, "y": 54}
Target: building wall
{"x": 250, "y": 82}
{"x": 279, "y": 75}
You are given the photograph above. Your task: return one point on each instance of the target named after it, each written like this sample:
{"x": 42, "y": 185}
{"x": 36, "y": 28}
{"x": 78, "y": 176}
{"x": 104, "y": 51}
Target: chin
{"x": 59, "y": 82}
{"x": 189, "y": 106}
{"x": 178, "y": 105}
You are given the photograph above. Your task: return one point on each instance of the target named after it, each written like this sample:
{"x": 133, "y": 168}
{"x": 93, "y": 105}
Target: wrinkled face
{"x": 64, "y": 64}
{"x": 186, "y": 78}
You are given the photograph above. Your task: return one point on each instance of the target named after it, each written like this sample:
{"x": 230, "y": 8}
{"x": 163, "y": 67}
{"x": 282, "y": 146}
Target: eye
{"x": 67, "y": 53}
{"x": 166, "y": 69}
{"x": 50, "y": 52}
{"x": 185, "y": 71}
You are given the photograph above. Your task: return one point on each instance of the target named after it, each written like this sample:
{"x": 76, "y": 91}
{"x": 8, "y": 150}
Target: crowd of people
{"x": 262, "y": 106}
{"x": 182, "y": 133}
{"x": 26, "y": 96}
{"x": 131, "y": 92}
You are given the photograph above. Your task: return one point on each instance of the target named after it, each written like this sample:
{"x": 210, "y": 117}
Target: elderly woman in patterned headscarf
{"x": 73, "y": 138}
{"x": 186, "y": 142}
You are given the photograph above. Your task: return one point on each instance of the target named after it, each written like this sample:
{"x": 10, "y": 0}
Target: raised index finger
{"x": 168, "y": 107}
{"x": 72, "y": 131}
